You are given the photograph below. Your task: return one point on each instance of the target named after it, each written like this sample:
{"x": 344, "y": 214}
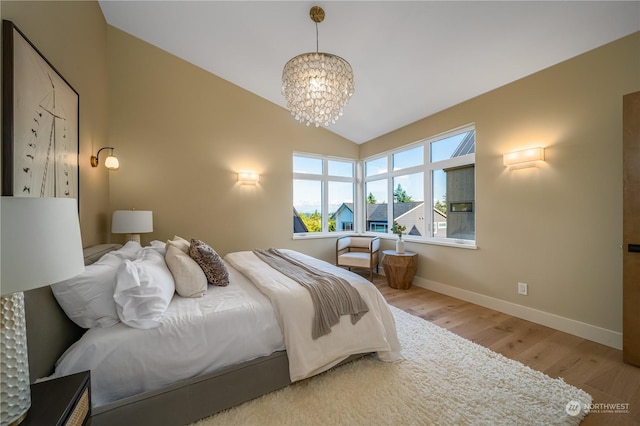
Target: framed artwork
{"x": 40, "y": 124}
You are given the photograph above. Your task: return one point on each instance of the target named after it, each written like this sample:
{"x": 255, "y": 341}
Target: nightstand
{"x": 63, "y": 401}
{"x": 399, "y": 268}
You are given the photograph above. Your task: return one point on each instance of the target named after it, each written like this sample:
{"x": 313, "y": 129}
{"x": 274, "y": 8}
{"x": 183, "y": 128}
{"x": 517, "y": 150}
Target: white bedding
{"x": 374, "y": 332}
{"x": 228, "y": 325}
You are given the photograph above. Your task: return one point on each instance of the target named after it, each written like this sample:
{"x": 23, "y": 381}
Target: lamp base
{"x": 132, "y": 237}
{"x": 14, "y": 361}
{"x": 20, "y": 419}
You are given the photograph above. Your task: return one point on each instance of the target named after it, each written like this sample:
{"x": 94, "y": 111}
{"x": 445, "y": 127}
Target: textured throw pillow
{"x": 180, "y": 243}
{"x": 87, "y": 299}
{"x": 210, "y": 262}
{"x": 188, "y": 276}
{"x": 144, "y": 289}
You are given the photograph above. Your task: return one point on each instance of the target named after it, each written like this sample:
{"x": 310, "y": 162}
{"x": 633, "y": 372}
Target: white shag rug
{"x": 443, "y": 379}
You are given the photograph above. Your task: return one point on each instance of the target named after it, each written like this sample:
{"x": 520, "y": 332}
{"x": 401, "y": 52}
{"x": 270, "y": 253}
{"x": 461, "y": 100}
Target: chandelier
{"x": 317, "y": 85}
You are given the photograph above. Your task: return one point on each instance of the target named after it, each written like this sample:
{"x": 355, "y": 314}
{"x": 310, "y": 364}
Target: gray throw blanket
{"x": 332, "y": 296}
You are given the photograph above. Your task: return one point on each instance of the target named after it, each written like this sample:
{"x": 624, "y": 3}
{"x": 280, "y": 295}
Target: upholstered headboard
{"x": 49, "y": 331}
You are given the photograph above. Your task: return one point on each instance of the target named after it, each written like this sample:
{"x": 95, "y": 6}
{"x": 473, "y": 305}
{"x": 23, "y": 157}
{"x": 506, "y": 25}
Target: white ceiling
{"x": 411, "y": 59}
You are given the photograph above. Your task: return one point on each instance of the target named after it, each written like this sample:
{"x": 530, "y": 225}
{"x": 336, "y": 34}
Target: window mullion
{"x": 325, "y": 195}
{"x": 428, "y": 202}
{"x": 305, "y": 176}
{"x": 390, "y": 192}
{"x": 359, "y": 199}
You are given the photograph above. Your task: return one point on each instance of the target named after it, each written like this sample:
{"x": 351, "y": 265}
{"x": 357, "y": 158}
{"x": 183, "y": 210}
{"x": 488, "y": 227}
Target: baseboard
{"x": 577, "y": 328}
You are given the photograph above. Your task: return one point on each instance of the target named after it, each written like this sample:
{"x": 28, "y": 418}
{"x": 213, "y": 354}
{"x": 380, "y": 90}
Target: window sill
{"x": 463, "y": 244}
{"x": 319, "y": 235}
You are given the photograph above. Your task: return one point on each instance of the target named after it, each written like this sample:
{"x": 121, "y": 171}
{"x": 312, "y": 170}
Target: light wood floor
{"x": 593, "y": 367}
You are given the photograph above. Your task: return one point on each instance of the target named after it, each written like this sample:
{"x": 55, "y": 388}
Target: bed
{"x": 199, "y": 391}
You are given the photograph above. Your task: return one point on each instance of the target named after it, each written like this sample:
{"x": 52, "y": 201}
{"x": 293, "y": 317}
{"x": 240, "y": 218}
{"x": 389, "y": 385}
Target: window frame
{"x": 427, "y": 168}
{"x": 324, "y": 180}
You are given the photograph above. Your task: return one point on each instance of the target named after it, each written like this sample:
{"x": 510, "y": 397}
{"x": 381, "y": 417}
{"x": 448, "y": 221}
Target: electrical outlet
{"x": 523, "y": 289}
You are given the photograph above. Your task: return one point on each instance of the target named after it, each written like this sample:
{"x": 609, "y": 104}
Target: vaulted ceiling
{"x": 411, "y": 59}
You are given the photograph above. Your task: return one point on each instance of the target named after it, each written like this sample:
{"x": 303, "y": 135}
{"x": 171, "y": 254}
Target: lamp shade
{"x": 112, "y": 163}
{"x": 132, "y": 221}
{"x": 248, "y": 178}
{"x": 41, "y": 242}
{"x": 522, "y": 159}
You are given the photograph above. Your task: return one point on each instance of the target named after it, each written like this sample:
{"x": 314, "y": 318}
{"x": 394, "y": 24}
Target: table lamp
{"x": 40, "y": 245}
{"x": 132, "y": 222}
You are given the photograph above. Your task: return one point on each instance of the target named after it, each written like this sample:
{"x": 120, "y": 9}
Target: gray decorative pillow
{"x": 210, "y": 262}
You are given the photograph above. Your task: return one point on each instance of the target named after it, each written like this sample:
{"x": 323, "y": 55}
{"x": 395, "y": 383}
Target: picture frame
{"x": 40, "y": 123}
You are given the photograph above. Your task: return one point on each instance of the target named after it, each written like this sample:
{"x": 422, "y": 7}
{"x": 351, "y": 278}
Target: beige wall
{"x": 182, "y": 134}
{"x": 73, "y": 37}
{"x": 557, "y": 228}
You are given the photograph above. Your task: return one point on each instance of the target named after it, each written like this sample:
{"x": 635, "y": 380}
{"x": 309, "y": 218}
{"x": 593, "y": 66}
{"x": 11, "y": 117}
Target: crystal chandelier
{"x": 317, "y": 85}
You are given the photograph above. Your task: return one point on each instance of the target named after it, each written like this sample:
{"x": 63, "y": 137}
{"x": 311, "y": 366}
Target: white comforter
{"x": 375, "y": 332}
{"x": 227, "y": 326}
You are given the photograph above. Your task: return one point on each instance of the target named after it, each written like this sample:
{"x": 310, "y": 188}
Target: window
{"x": 429, "y": 187}
{"x": 323, "y": 194}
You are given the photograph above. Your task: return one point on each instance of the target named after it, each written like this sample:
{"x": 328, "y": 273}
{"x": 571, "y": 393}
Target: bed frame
{"x": 50, "y": 332}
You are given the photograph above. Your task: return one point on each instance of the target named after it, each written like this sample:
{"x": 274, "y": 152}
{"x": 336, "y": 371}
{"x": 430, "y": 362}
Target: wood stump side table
{"x": 399, "y": 268}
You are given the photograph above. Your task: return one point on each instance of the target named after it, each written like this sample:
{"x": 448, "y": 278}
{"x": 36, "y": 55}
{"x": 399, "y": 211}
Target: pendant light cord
{"x": 317, "y": 49}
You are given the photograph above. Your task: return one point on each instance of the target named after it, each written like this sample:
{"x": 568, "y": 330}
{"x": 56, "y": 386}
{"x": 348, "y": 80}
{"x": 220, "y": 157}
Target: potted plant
{"x": 399, "y": 229}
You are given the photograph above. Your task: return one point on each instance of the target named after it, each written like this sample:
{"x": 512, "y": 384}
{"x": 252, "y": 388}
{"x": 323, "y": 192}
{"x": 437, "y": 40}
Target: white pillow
{"x": 180, "y": 243}
{"x": 128, "y": 251}
{"x": 87, "y": 299}
{"x": 188, "y": 276}
{"x": 160, "y": 246}
{"x": 144, "y": 289}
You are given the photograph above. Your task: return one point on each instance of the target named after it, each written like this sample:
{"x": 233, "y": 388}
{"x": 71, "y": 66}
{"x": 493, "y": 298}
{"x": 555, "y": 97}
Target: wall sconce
{"x": 531, "y": 157}
{"x": 110, "y": 163}
{"x": 132, "y": 222}
{"x": 248, "y": 178}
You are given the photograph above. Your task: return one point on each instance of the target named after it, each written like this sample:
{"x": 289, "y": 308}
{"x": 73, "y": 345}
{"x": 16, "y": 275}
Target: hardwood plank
{"x": 546, "y": 352}
{"x": 599, "y": 416}
{"x": 487, "y": 337}
{"x": 619, "y": 380}
{"x": 587, "y": 360}
{"x": 524, "y": 334}
{"x": 634, "y": 406}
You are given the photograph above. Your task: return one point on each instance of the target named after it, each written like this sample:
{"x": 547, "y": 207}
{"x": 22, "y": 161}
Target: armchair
{"x": 358, "y": 252}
